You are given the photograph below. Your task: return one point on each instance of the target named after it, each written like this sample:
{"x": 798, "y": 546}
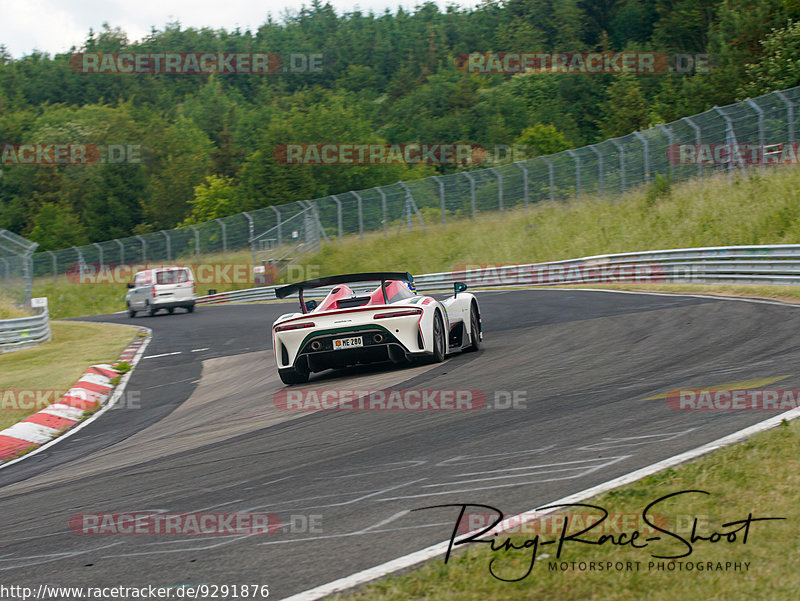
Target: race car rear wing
{"x": 333, "y": 280}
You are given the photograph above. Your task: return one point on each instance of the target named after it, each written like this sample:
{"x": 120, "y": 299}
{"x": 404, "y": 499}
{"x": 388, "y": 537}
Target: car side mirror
{"x": 311, "y": 305}
{"x": 458, "y": 287}
{"x": 129, "y": 285}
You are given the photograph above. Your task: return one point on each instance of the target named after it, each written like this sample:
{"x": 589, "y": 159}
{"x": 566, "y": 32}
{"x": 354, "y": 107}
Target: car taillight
{"x": 294, "y": 326}
{"x": 402, "y": 313}
{"x": 154, "y": 291}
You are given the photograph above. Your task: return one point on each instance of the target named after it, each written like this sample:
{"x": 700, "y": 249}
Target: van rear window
{"x": 172, "y": 276}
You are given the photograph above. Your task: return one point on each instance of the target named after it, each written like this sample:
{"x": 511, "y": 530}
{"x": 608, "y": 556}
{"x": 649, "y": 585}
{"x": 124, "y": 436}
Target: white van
{"x": 161, "y": 288}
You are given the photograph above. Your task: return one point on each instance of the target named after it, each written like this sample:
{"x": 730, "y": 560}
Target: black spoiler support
{"x": 333, "y": 280}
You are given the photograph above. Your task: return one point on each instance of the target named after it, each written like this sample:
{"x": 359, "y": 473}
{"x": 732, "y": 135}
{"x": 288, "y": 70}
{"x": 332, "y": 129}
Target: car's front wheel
{"x": 474, "y": 329}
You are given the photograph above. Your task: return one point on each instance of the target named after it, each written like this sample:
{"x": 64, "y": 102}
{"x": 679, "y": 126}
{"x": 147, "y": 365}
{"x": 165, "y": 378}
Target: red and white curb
{"x": 92, "y": 391}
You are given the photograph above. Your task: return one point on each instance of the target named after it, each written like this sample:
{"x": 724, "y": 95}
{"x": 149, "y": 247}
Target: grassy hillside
{"x": 758, "y": 207}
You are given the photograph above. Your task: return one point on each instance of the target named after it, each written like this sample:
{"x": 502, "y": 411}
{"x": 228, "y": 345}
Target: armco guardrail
{"x": 24, "y": 332}
{"x": 767, "y": 265}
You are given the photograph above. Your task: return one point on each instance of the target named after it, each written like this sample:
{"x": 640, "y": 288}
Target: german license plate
{"x": 343, "y": 343}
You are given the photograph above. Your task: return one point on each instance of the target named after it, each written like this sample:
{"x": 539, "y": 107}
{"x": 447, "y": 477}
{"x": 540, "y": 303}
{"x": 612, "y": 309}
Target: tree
{"x": 625, "y": 110}
{"x": 541, "y": 139}
{"x": 56, "y": 227}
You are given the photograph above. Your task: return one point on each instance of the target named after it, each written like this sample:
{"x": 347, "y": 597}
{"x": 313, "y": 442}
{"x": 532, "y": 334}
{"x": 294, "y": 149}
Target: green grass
{"x": 11, "y": 311}
{"x": 58, "y": 364}
{"x": 760, "y": 207}
{"x": 758, "y": 476}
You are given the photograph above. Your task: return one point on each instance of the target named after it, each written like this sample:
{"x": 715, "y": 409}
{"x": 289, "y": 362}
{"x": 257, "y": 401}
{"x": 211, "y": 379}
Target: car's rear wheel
{"x": 151, "y": 310}
{"x": 170, "y": 310}
{"x": 131, "y": 312}
{"x": 439, "y": 348}
{"x": 190, "y": 309}
{"x": 475, "y": 329}
{"x": 292, "y": 376}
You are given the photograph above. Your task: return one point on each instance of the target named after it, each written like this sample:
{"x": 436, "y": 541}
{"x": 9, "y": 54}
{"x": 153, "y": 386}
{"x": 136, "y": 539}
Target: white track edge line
{"x": 407, "y": 561}
{"x": 118, "y": 392}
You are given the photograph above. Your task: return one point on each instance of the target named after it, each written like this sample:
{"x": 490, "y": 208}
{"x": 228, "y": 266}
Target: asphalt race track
{"x": 205, "y": 436}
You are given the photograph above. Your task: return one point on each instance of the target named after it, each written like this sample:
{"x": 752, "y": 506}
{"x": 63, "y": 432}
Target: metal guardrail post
{"x": 646, "y": 150}
{"x": 599, "y": 154}
{"x": 55, "y": 265}
{"x": 789, "y": 115}
{"x": 621, "y": 152}
{"x": 279, "y": 224}
{"x": 524, "y": 184}
{"x": 471, "y": 191}
{"x": 730, "y": 136}
{"x": 697, "y": 140}
{"x": 550, "y": 177}
{"x": 577, "y": 161}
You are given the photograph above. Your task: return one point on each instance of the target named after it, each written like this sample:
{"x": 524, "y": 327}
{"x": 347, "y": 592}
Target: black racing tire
{"x": 475, "y": 329}
{"x": 439, "y": 339}
{"x": 292, "y": 376}
{"x": 131, "y": 312}
{"x": 190, "y": 309}
{"x": 170, "y": 310}
{"x": 151, "y": 310}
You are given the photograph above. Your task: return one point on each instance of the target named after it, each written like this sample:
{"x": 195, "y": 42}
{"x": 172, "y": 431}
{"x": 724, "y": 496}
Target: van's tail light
{"x": 401, "y": 313}
{"x": 294, "y": 326}
{"x": 154, "y": 290}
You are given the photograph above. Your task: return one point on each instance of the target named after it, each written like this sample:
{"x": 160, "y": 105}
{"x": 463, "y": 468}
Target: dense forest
{"x": 206, "y": 141}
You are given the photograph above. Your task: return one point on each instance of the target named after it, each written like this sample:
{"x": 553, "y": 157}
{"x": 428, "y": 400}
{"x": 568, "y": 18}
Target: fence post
{"x": 81, "y": 263}
{"x": 410, "y": 203}
{"x": 169, "y": 246}
{"x": 599, "y": 154}
{"x": 760, "y": 112}
{"x": 224, "y": 235}
{"x": 144, "y": 248}
{"x": 698, "y": 141}
{"x": 577, "y": 160}
{"x": 646, "y": 150}
{"x": 7, "y": 271}
{"x": 55, "y": 265}
{"x": 196, "y": 240}
{"x": 730, "y": 138}
{"x": 670, "y": 156}
{"x": 789, "y": 115}
{"x": 550, "y": 177}
{"x": 471, "y": 191}
{"x": 383, "y": 207}
{"x": 338, "y": 214}
{"x": 621, "y": 151}
{"x": 27, "y": 272}
{"x": 441, "y": 195}
{"x": 360, "y": 216}
{"x": 99, "y": 252}
{"x": 499, "y": 187}
{"x": 250, "y": 235}
{"x": 121, "y": 251}
{"x": 524, "y": 184}
{"x": 279, "y": 224}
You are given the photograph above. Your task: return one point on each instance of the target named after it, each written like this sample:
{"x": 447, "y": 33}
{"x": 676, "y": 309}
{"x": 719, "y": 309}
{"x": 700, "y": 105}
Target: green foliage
{"x": 208, "y": 142}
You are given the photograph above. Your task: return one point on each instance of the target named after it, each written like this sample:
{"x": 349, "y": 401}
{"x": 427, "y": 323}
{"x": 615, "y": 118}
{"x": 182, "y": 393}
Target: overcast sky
{"x": 56, "y": 25}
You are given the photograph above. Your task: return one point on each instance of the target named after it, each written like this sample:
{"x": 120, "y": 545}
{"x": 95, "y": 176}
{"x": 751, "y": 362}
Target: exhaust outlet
{"x": 316, "y": 345}
{"x": 378, "y": 338}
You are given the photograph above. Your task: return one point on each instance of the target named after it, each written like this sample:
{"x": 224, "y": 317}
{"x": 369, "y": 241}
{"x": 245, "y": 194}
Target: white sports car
{"x": 364, "y": 324}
